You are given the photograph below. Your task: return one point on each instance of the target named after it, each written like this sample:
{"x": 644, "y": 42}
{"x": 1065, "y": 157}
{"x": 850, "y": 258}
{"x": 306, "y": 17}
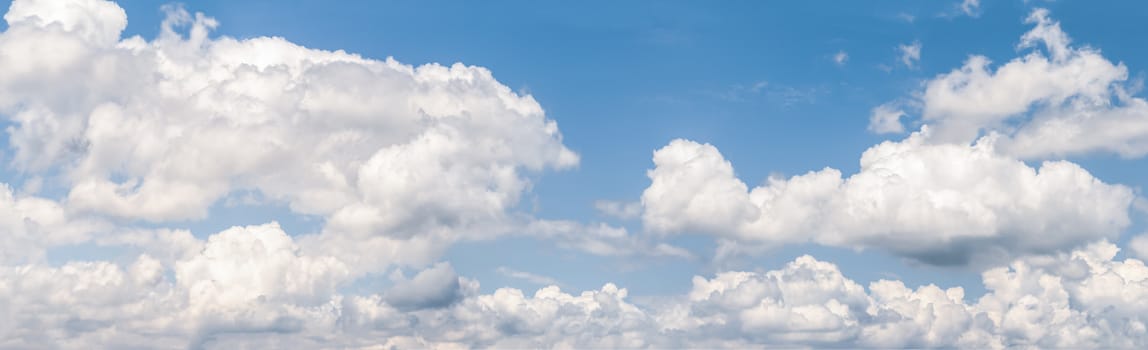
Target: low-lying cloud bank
{"x": 253, "y": 287}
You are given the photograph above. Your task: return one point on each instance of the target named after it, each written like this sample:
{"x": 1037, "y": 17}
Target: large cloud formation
{"x": 1080, "y": 299}
{"x": 161, "y": 130}
{"x": 398, "y": 161}
{"x": 938, "y": 203}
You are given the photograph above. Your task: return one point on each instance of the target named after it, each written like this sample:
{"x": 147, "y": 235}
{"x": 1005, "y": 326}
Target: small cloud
{"x": 886, "y": 119}
{"x": 910, "y": 54}
{"x": 619, "y": 209}
{"x": 840, "y": 58}
{"x": 908, "y": 18}
{"x": 435, "y": 287}
{"x": 971, "y": 8}
{"x": 527, "y": 276}
{"x": 758, "y": 86}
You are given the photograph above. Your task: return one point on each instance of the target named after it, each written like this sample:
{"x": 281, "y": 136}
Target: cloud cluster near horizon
{"x": 113, "y": 137}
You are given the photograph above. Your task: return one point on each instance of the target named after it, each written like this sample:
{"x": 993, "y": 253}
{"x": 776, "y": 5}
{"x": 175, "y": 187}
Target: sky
{"x": 545, "y": 174}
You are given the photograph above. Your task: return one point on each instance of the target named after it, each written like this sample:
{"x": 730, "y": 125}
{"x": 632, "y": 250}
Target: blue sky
{"x": 782, "y": 90}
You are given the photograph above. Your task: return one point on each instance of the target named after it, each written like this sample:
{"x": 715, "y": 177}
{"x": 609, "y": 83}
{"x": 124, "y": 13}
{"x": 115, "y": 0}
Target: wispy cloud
{"x": 621, "y": 210}
{"x": 907, "y": 17}
{"x": 910, "y": 54}
{"x": 840, "y": 58}
{"x": 971, "y": 8}
{"x": 527, "y": 276}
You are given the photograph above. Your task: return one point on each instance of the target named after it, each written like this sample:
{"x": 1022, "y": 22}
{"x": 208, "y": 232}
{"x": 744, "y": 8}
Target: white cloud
{"x": 694, "y": 188}
{"x": 257, "y": 286}
{"x": 1074, "y": 300}
{"x": 161, "y": 130}
{"x": 551, "y": 318}
{"x": 971, "y": 8}
{"x": 242, "y": 264}
{"x": 840, "y": 58}
{"x": 808, "y": 302}
{"x": 31, "y": 225}
{"x": 96, "y": 22}
{"x": 73, "y": 305}
{"x": 621, "y": 210}
{"x": 1071, "y": 94}
{"x": 910, "y": 54}
{"x": 886, "y": 119}
{"x": 1081, "y": 299}
{"x": 941, "y": 204}
{"x": 527, "y": 276}
{"x": 601, "y": 239}
{"x": 243, "y": 280}
{"x": 399, "y": 161}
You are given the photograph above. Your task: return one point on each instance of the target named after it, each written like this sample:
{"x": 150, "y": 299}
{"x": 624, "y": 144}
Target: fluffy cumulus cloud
{"x": 1080, "y": 299}
{"x": 245, "y": 279}
{"x": 1056, "y": 91}
{"x": 1066, "y": 300}
{"x": 398, "y": 161}
{"x": 937, "y": 203}
{"x": 160, "y": 130}
{"x": 31, "y": 224}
